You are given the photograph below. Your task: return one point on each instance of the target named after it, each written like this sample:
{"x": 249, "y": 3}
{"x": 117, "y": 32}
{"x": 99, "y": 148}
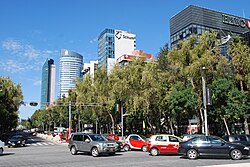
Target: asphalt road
{"x": 41, "y": 153}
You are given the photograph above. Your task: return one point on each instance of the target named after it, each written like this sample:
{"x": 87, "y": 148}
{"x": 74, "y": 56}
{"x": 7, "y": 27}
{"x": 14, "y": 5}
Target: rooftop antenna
{"x": 243, "y": 13}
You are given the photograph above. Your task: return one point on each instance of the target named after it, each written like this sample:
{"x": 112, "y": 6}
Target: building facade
{"x": 197, "y": 20}
{"x": 113, "y": 44}
{"x": 48, "y": 83}
{"x": 70, "y": 69}
{"x": 90, "y": 69}
{"x": 135, "y": 55}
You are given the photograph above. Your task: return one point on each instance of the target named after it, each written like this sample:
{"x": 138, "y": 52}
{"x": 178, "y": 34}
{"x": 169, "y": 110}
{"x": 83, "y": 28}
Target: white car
{"x": 1, "y": 147}
{"x": 135, "y": 141}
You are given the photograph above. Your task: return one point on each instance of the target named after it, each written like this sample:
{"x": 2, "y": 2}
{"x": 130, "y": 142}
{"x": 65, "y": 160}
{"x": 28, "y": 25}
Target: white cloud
{"x": 12, "y": 45}
{"x": 22, "y": 57}
{"x": 93, "y": 40}
{"x": 37, "y": 83}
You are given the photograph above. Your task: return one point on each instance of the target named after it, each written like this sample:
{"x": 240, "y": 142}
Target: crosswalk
{"x": 41, "y": 144}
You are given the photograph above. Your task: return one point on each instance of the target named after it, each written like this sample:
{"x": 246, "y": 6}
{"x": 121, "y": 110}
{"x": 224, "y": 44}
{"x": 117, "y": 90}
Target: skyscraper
{"x": 113, "y": 44}
{"x": 48, "y": 83}
{"x": 69, "y": 70}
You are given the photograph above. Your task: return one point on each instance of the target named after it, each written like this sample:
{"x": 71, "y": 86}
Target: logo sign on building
{"x": 248, "y": 23}
{"x": 124, "y": 43}
{"x": 232, "y": 20}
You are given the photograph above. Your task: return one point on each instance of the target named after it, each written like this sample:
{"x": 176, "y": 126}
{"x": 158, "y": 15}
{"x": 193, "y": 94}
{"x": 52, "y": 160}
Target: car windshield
{"x": 97, "y": 138}
{"x": 16, "y": 137}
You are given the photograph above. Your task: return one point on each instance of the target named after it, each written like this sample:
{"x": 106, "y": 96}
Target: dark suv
{"x": 91, "y": 143}
{"x": 241, "y": 139}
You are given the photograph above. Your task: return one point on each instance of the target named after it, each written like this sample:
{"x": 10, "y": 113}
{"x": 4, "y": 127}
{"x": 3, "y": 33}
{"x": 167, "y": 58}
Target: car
{"x": 186, "y": 137}
{"x": 238, "y": 139}
{"x": 135, "y": 141}
{"x": 212, "y": 146}
{"x": 163, "y": 144}
{"x": 114, "y": 139}
{"x": 16, "y": 140}
{"x": 1, "y": 147}
{"x": 95, "y": 144}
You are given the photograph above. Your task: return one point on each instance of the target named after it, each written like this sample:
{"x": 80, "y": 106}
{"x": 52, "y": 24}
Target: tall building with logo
{"x": 197, "y": 20}
{"x": 69, "y": 71}
{"x": 113, "y": 44}
{"x": 48, "y": 83}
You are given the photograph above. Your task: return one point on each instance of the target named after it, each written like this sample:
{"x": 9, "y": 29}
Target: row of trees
{"x": 162, "y": 96}
{"x": 10, "y": 99}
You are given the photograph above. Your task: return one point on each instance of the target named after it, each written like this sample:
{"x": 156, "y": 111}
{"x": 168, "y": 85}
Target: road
{"x": 41, "y": 153}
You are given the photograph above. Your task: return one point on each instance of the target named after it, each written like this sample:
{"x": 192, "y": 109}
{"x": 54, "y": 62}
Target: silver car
{"x": 95, "y": 144}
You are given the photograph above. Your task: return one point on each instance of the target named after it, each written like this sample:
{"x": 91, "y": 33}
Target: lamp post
{"x": 69, "y": 118}
{"x": 203, "y": 75}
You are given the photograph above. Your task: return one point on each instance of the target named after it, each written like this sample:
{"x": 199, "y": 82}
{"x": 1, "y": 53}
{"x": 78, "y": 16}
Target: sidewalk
{"x": 50, "y": 138}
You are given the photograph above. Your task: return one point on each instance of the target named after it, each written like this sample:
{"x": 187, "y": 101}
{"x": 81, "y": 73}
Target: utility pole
{"x": 69, "y": 118}
{"x": 204, "y": 90}
{"x": 122, "y": 119}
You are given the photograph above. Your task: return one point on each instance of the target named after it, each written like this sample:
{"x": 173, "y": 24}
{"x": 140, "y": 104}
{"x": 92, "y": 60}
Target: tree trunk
{"x": 246, "y": 126}
{"x": 113, "y": 123}
{"x": 171, "y": 126}
{"x": 225, "y": 122}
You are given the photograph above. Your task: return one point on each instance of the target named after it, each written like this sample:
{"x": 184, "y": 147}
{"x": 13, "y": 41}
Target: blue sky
{"x": 33, "y": 30}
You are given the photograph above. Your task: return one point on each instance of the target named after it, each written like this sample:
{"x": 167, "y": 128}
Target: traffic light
{"x": 33, "y": 103}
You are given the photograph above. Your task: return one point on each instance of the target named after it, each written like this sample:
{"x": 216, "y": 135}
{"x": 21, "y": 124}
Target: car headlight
{"x": 19, "y": 142}
{"x": 246, "y": 148}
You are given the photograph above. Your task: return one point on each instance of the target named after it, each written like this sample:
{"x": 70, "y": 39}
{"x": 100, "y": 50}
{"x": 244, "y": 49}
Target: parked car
{"x": 186, "y": 137}
{"x": 135, "y": 141}
{"x": 212, "y": 146}
{"x": 163, "y": 144}
{"x": 16, "y": 140}
{"x": 238, "y": 139}
{"x": 95, "y": 144}
{"x": 1, "y": 147}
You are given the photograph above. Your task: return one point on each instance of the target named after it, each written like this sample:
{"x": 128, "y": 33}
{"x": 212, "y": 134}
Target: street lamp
{"x": 204, "y": 90}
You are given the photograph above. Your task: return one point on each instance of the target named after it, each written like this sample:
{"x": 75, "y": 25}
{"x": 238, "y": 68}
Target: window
{"x": 243, "y": 138}
{"x": 161, "y": 138}
{"x": 199, "y": 140}
{"x": 215, "y": 140}
{"x": 78, "y": 138}
{"x": 173, "y": 139}
{"x": 134, "y": 138}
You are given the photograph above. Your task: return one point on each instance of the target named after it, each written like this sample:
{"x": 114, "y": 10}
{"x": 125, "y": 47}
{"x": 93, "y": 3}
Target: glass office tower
{"x": 197, "y": 20}
{"x": 70, "y": 69}
{"x": 48, "y": 83}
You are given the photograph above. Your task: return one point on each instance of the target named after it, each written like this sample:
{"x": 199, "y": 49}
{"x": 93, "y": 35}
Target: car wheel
{"x": 192, "y": 154}
{"x": 144, "y": 148}
{"x": 94, "y": 152}
{"x": 154, "y": 152}
{"x": 236, "y": 154}
{"x": 126, "y": 148}
{"x": 73, "y": 150}
{"x": 1, "y": 151}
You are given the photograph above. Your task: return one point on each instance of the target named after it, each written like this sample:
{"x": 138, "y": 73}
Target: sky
{"x": 33, "y": 30}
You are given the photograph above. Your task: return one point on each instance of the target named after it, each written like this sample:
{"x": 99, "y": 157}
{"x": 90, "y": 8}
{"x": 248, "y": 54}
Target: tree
{"x": 10, "y": 99}
{"x": 240, "y": 54}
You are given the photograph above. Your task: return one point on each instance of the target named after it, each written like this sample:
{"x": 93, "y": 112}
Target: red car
{"x": 135, "y": 141}
{"x": 163, "y": 144}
